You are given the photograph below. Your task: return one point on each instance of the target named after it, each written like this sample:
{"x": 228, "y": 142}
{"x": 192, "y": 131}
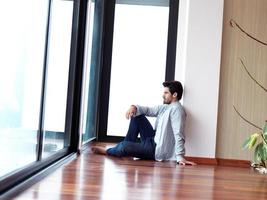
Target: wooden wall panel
{"x": 236, "y": 87}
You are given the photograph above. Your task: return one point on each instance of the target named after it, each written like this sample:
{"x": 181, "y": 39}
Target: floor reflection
{"x": 107, "y": 178}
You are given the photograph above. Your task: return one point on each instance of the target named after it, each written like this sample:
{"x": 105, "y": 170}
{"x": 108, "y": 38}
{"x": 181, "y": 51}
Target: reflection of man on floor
{"x": 166, "y": 142}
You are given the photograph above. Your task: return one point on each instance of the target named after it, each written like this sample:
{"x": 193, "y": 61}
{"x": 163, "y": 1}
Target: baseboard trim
{"x": 233, "y": 163}
{"x": 202, "y": 160}
{"x": 219, "y": 161}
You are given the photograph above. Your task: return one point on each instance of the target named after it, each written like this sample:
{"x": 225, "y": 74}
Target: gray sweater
{"x": 169, "y": 129}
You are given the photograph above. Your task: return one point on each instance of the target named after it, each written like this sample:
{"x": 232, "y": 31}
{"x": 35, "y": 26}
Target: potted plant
{"x": 260, "y": 152}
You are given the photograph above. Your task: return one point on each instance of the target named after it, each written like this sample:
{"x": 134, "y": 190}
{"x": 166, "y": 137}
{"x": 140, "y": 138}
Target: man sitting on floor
{"x": 166, "y": 142}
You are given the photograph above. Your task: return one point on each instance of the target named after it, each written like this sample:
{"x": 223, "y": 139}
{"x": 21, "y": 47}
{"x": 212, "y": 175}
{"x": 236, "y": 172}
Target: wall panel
{"x": 236, "y": 87}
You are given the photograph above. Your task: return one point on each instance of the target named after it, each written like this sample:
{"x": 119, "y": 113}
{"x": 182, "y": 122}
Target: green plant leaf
{"x": 253, "y": 142}
{"x": 247, "y": 142}
{"x": 262, "y": 153}
{"x": 264, "y": 131}
{"x": 250, "y": 141}
{"x": 256, "y": 157}
{"x": 265, "y": 128}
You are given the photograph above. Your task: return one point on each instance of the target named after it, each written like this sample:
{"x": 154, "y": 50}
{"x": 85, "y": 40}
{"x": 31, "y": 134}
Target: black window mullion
{"x": 106, "y": 70}
{"x": 72, "y": 124}
{"x": 40, "y": 135}
{"x": 172, "y": 40}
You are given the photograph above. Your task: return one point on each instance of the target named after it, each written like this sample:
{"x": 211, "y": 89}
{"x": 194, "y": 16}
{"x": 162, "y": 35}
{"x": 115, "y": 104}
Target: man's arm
{"x": 136, "y": 110}
{"x": 178, "y": 117}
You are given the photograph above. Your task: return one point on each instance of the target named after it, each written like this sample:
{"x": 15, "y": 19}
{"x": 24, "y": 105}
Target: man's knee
{"x": 126, "y": 148}
{"x": 138, "y": 118}
{"x": 118, "y": 150}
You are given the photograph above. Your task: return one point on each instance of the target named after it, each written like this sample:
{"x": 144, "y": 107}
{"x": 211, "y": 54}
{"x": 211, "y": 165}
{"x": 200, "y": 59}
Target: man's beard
{"x": 166, "y": 102}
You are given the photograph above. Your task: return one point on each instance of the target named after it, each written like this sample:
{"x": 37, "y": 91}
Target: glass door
{"x": 139, "y": 54}
{"x": 37, "y": 90}
{"x": 22, "y": 39}
{"x": 56, "y": 87}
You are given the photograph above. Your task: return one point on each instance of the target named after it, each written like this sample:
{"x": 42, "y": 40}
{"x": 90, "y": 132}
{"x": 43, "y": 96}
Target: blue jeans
{"x": 130, "y": 147}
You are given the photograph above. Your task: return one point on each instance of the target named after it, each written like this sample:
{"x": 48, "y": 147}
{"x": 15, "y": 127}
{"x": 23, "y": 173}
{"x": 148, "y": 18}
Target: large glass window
{"x": 57, "y": 76}
{"x": 22, "y": 39}
{"x": 138, "y": 60}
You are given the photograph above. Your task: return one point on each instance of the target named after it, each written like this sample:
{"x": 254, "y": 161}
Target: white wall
{"x": 198, "y": 67}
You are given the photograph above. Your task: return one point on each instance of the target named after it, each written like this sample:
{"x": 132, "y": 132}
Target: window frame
{"x": 11, "y": 183}
{"x": 107, "y": 54}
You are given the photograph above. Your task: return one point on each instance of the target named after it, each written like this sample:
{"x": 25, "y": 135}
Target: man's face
{"x": 168, "y": 97}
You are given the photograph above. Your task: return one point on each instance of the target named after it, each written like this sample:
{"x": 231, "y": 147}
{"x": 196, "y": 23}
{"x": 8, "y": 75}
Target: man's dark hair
{"x": 174, "y": 86}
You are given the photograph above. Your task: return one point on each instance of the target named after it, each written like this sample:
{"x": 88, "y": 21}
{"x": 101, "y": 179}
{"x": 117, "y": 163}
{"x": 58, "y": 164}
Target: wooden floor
{"x": 98, "y": 177}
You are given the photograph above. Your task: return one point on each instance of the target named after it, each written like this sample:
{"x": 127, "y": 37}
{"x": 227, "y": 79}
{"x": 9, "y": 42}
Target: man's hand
{"x": 186, "y": 162}
{"x": 132, "y": 111}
